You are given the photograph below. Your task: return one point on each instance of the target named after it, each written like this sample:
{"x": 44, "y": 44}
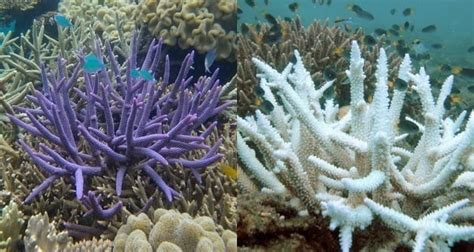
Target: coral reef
{"x": 11, "y": 222}
{"x": 325, "y": 49}
{"x": 22, "y": 5}
{"x": 111, "y": 18}
{"x": 352, "y": 167}
{"x": 173, "y": 231}
{"x": 201, "y": 24}
{"x": 104, "y": 137}
{"x": 270, "y": 223}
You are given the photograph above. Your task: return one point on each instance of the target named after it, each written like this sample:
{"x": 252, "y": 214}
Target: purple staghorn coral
{"x": 117, "y": 121}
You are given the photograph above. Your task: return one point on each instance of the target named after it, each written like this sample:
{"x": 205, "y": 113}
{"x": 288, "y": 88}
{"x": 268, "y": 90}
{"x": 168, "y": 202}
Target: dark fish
{"x": 329, "y": 74}
{"x": 408, "y": 127}
{"x": 266, "y": 107}
{"x": 471, "y": 49}
{"x": 402, "y": 49}
{"x": 408, "y": 12}
{"x": 406, "y": 25}
{"x": 393, "y": 32}
{"x": 369, "y": 40}
{"x": 380, "y": 31}
{"x": 273, "y": 35}
{"x": 259, "y": 91}
{"x": 471, "y": 89}
{"x": 271, "y": 19}
{"x": 412, "y": 28}
{"x": 239, "y": 11}
{"x": 468, "y": 72}
{"x": 250, "y": 3}
{"x": 329, "y": 2}
{"x": 287, "y": 19}
{"x": 422, "y": 56}
{"x": 429, "y": 28}
{"x": 329, "y": 93}
{"x": 244, "y": 28}
{"x": 347, "y": 27}
{"x": 392, "y": 11}
{"x": 361, "y": 12}
{"x": 293, "y": 6}
{"x": 266, "y": 2}
{"x": 455, "y": 90}
{"x": 437, "y": 46}
{"x": 396, "y": 27}
{"x": 401, "y": 84}
{"x": 447, "y": 103}
{"x": 339, "y": 20}
{"x": 445, "y": 68}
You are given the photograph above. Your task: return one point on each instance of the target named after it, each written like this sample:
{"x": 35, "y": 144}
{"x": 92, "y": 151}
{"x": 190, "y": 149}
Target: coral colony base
{"x": 351, "y": 167}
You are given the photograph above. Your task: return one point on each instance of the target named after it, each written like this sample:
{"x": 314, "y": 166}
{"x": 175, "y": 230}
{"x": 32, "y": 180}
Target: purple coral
{"x": 118, "y": 121}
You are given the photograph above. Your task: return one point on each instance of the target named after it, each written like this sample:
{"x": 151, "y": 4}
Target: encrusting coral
{"x": 173, "y": 231}
{"x": 201, "y": 24}
{"x": 323, "y": 47}
{"x": 351, "y": 168}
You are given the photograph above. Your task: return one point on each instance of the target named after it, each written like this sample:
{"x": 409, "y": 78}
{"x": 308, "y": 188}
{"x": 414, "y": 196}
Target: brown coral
{"x": 320, "y": 45}
{"x": 173, "y": 231}
{"x": 201, "y": 24}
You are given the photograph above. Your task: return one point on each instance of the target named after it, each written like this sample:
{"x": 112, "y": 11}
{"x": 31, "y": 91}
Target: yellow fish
{"x": 229, "y": 171}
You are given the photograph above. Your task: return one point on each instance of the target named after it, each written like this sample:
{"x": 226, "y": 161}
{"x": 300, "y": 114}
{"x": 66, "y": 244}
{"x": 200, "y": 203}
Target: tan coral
{"x": 40, "y": 235}
{"x": 174, "y": 231}
{"x": 22, "y": 5}
{"x": 93, "y": 245}
{"x": 201, "y": 24}
{"x": 11, "y": 222}
{"x": 108, "y": 18}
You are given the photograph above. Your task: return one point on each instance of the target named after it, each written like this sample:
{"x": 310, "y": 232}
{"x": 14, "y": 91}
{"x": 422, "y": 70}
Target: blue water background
{"x": 454, "y": 20}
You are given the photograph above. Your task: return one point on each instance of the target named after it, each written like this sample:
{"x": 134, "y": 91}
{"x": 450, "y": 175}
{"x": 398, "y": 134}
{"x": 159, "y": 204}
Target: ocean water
{"x": 453, "y": 20}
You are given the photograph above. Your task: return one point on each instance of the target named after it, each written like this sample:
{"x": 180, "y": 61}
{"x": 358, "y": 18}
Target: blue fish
{"x": 209, "y": 60}
{"x": 135, "y": 73}
{"x": 92, "y": 64}
{"x": 146, "y": 75}
{"x": 62, "y": 21}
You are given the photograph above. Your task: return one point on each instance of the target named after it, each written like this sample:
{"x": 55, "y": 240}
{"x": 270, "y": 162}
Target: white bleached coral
{"x": 355, "y": 165}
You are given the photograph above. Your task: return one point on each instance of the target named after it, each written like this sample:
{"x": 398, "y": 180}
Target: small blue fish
{"x": 209, "y": 60}
{"x": 135, "y": 73}
{"x": 62, "y": 21}
{"x": 92, "y": 64}
{"x": 146, "y": 75}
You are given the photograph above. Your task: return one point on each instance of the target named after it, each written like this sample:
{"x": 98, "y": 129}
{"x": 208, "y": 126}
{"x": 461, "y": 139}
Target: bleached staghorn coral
{"x": 351, "y": 168}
